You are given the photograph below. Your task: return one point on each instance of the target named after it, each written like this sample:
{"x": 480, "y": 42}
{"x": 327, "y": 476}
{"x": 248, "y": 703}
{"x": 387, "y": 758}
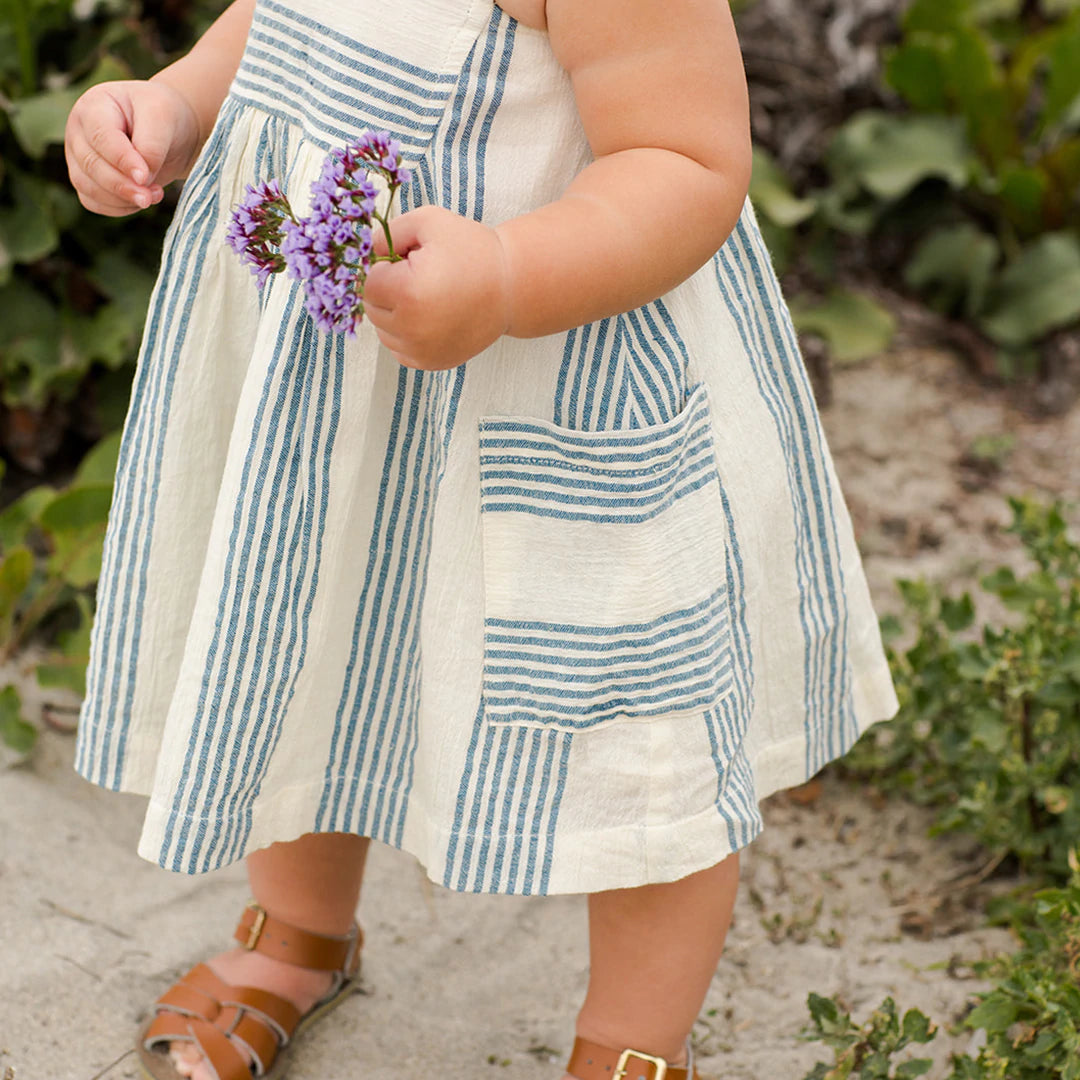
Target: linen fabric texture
{"x": 555, "y": 620}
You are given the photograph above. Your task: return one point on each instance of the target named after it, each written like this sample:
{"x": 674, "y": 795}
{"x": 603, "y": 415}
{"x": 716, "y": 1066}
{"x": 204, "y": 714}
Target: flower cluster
{"x": 332, "y": 249}
{"x": 255, "y": 230}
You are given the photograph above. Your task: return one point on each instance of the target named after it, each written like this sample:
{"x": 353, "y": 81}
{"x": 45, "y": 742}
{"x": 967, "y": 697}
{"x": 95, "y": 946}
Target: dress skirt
{"x": 555, "y": 620}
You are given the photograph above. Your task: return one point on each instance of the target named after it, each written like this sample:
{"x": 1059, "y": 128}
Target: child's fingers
{"x": 106, "y": 140}
{"x": 152, "y": 133}
{"x": 102, "y": 179}
{"x": 384, "y": 288}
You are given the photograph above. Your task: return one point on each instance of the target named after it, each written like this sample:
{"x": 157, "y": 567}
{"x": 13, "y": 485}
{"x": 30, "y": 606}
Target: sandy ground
{"x": 842, "y": 893}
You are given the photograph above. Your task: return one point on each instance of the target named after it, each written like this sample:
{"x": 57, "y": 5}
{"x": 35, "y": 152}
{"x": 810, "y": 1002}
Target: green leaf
{"x": 66, "y": 667}
{"x": 16, "y": 570}
{"x": 1063, "y": 82}
{"x": 915, "y": 71}
{"x": 854, "y": 326}
{"x": 1036, "y": 293}
{"x": 978, "y": 88}
{"x": 27, "y": 230}
{"x": 40, "y": 120}
{"x": 936, "y": 16}
{"x": 823, "y": 1010}
{"x": 109, "y": 335}
{"x": 918, "y": 1027}
{"x": 98, "y": 467}
{"x": 17, "y": 518}
{"x": 14, "y": 730}
{"x": 771, "y": 193}
{"x": 958, "y": 614}
{"x": 25, "y": 310}
{"x": 914, "y": 1067}
{"x": 125, "y": 282}
{"x": 890, "y": 155}
{"x": 995, "y": 1013}
{"x": 77, "y": 509}
{"x": 955, "y": 265}
{"x": 76, "y": 520}
{"x": 1022, "y": 190}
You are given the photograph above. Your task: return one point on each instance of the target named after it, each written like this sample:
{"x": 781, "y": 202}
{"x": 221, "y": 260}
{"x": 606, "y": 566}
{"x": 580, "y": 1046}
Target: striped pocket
{"x": 605, "y": 571}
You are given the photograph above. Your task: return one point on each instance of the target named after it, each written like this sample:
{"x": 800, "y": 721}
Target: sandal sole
{"x": 157, "y": 1065}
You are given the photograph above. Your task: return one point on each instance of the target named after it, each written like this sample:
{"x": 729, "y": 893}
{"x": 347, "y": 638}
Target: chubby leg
{"x": 653, "y": 952}
{"x": 312, "y": 882}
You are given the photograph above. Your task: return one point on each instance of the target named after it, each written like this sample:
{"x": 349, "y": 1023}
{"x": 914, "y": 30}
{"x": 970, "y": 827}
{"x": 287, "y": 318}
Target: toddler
{"x": 543, "y": 575}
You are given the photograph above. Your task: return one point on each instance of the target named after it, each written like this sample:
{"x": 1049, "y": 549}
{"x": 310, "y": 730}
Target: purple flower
{"x": 384, "y": 154}
{"x": 331, "y": 250}
{"x": 254, "y": 231}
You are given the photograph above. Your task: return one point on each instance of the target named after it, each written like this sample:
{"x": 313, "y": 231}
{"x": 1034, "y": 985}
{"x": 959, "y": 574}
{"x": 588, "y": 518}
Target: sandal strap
{"x": 264, "y": 933}
{"x": 592, "y": 1061}
{"x": 226, "y": 1061}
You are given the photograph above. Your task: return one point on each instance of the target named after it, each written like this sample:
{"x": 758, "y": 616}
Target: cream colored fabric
{"x": 554, "y": 620}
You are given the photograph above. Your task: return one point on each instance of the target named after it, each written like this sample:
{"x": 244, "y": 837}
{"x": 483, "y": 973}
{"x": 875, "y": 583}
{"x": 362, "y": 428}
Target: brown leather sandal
{"x": 203, "y": 1009}
{"x": 591, "y": 1061}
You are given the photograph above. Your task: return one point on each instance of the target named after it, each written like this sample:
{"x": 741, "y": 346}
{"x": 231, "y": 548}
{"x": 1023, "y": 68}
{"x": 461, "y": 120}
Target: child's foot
{"x": 239, "y": 967}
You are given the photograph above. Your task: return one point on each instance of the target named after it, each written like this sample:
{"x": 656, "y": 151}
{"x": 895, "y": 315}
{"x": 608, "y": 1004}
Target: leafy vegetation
{"x": 1031, "y": 1017}
{"x": 865, "y": 1051}
{"x": 74, "y": 286}
{"x": 989, "y": 728}
{"x": 973, "y": 181}
{"x": 50, "y": 559}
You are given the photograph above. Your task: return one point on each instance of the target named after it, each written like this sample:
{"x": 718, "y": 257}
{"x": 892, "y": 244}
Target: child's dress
{"x": 554, "y": 620}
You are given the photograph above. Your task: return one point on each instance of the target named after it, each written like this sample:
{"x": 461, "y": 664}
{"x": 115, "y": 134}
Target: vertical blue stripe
{"x": 193, "y": 225}
{"x": 203, "y": 736}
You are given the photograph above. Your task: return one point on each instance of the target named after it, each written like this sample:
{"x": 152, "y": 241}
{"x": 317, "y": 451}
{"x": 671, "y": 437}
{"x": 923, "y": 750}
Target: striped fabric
{"x": 573, "y": 522}
{"x": 555, "y": 620}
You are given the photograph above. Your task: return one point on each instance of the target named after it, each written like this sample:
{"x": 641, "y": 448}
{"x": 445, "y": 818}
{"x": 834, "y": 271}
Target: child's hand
{"x": 126, "y": 140}
{"x": 449, "y": 299}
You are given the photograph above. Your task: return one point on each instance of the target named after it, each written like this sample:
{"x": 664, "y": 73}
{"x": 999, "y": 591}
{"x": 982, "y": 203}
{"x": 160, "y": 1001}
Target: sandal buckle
{"x": 257, "y": 927}
{"x": 659, "y": 1063}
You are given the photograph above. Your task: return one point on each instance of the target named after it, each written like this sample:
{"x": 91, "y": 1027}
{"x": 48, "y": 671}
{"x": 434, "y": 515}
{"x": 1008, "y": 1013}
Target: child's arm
{"x": 125, "y": 140}
{"x": 660, "y": 88}
{"x": 204, "y": 74}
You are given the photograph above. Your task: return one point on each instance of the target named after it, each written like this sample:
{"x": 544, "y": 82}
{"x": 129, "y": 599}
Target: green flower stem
{"x": 385, "y": 223}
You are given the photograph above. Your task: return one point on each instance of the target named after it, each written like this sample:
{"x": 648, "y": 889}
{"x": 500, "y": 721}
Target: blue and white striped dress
{"x": 554, "y": 620}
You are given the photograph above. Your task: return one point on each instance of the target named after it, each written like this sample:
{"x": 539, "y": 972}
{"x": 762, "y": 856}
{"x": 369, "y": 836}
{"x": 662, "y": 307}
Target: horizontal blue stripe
{"x": 494, "y": 466}
{"x": 586, "y": 515}
{"x": 696, "y": 411}
{"x": 596, "y": 492}
{"x": 337, "y": 80}
{"x": 655, "y": 671}
{"x": 508, "y": 714}
{"x": 653, "y": 679}
{"x": 605, "y": 631}
{"x": 713, "y": 629}
{"x": 355, "y": 119}
{"x": 279, "y": 35}
{"x": 529, "y": 442}
{"x": 354, "y": 46}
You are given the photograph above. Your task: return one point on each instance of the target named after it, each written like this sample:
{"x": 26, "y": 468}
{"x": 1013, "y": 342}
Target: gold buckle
{"x": 257, "y": 926}
{"x": 659, "y": 1062}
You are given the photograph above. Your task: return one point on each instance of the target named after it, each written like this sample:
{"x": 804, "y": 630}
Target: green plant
{"x": 1031, "y": 1017}
{"x": 989, "y": 727}
{"x": 74, "y": 286}
{"x": 865, "y": 1051}
{"x": 973, "y": 183}
{"x": 50, "y": 559}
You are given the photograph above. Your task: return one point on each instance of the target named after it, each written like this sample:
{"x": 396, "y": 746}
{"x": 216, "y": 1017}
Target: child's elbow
{"x": 730, "y": 177}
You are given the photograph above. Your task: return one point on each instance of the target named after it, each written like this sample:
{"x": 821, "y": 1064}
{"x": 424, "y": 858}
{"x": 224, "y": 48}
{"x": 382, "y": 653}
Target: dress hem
{"x": 689, "y": 845}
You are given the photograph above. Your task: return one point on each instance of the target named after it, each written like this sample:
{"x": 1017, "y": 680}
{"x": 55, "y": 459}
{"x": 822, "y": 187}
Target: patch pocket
{"x": 605, "y": 571}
